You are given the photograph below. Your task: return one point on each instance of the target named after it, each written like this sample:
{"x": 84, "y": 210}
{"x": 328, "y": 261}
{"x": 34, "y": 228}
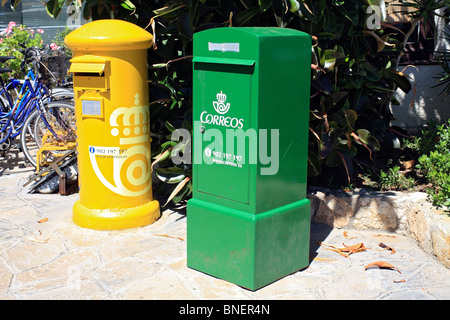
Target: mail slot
{"x": 92, "y": 72}
{"x": 249, "y": 218}
{"x": 109, "y": 68}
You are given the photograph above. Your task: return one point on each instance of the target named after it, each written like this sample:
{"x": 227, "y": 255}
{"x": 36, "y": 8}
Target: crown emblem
{"x": 220, "y": 106}
{"x": 221, "y": 97}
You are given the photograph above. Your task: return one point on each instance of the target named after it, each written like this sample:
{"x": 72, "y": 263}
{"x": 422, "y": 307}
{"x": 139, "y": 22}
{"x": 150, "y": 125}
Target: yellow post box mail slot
{"x": 109, "y": 67}
{"x": 91, "y": 73}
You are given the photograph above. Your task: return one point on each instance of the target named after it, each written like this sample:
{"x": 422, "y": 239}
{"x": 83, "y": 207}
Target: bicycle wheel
{"x": 5, "y": 133}
{"x": 59, "y": 118}
{"x": 58, "y": 94}
{"x": 4, "y": 105}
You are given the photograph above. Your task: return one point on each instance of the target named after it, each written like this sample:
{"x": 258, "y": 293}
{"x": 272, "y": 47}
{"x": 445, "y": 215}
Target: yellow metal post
{"x": 109, "y": 67}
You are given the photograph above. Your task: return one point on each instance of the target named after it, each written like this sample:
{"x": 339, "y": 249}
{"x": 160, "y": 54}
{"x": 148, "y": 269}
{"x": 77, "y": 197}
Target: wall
{"x": 427, "y": 104}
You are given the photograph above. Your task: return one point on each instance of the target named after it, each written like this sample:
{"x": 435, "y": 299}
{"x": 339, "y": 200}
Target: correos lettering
{"x": 221, "y": 107}
{"x": 215, "y": 119}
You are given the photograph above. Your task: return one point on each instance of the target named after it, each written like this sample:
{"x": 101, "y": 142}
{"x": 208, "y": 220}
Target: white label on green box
{"x": 224, "y": 47}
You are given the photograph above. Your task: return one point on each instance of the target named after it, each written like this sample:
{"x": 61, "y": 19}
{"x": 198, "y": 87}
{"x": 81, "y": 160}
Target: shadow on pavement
{"x": 319, "y": 232}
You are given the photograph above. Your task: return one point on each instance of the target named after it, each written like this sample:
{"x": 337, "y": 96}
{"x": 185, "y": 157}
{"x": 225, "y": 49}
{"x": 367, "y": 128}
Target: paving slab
{"x": 57, "y": 259}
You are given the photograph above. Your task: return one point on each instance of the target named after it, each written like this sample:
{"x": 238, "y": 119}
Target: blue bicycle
{"x": 5, "y": 101}
{"x": 15, "y": 111}
{"x": 32, "y": 110}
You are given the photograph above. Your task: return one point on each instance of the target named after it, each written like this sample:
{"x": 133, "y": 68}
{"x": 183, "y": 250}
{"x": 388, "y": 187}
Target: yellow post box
{"x": 109, "y": 67}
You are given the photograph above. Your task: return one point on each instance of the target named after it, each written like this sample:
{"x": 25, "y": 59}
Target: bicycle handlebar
{"x": 31, "y": 55}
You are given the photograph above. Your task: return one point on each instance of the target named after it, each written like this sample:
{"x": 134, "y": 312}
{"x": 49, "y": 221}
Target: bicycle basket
{"x": 54, "y": 68}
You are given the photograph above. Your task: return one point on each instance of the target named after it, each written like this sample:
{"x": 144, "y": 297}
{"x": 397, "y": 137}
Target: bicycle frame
{"x": 30, "y": 93}
{"x": 14, "y": 84}
{"x": 19, "y": 114}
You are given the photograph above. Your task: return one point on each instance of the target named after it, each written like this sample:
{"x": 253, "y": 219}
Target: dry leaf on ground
{"x": 323, "y": 259}
{"x": 407, "y": 165}
{"x": 385, "y": 235}
{"x": 346, "y": 250}
{"x": 382, "y": 265}
{"x": 167, "y": 236}
{"x": 347, "y": 236}
{"x": 38, "y": 240}
{"x": 355, "y": 248}
{"x": 381, "y": 244}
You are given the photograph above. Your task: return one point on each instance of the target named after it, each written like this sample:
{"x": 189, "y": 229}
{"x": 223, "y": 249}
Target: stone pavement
{"x": 56, "y": 259}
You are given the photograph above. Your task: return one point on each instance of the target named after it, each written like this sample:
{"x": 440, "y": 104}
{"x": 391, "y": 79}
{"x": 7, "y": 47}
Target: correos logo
{"x": 221, "y": 107}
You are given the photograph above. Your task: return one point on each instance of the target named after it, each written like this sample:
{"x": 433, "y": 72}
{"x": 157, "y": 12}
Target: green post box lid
{"x": 107, "y": 35}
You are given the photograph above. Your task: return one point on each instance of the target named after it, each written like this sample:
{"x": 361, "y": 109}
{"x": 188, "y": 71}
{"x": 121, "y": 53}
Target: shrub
{"x": 9, "y": 45}
{"x": 434, "y": 163}
{"x": 59, "y": 41}
{"x": 394, "y": 179}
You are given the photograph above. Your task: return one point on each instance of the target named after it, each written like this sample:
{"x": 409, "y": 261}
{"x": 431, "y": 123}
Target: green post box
{"x": 249, "y": 219}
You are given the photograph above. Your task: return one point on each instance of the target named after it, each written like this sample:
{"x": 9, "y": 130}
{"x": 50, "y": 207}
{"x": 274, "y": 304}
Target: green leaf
{"x": 127, "y": 4}
{"x": 329, "y": 58}
{"x": 326, "y": 36}
{"x": 264, "y": 5}
{"x": 326, "y": 103}
{"x": 16, "y": 3}
{"x": 351, "y": 117}
{"x": 338, "y": 2}
{"x": 184, "y": 23}
{"x": 169, "y": 10}
{"x": 87, "y": 11}
{"x": 366, "y": 137}
{"x": 306, "y": 11}
{"x": 357, "y": 81}
{"x": 377, "y": 88}
{"x": 333, "y": 159}
{"x": 339, "y": 98}
{"x": 185, "y": 191}
{"x": 54, "y": 7}
{"x": 170, "y": 175}
{"x": 314, "y": 167}
{"x": 351, "y": 13}
{"x": 246, "y": 3}
{"x": 371, "y": 72}
{"x": 169, "y": 126}
{"x": 401, "y": 80}
{"x": 328, "y": 143}
{"x": 322, "y": 83}
{"x": 246, "y": 15}
{"x": 177, "y": 189}
{"x": 162, "y": 156}
{"x": 168, "y": 144}
{"x": 294, "y": 7}
{"x": 332, "y": 57}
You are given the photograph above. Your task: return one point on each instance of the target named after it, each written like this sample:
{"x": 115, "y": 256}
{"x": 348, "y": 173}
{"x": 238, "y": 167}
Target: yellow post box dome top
{"x": 109, "y": 35}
